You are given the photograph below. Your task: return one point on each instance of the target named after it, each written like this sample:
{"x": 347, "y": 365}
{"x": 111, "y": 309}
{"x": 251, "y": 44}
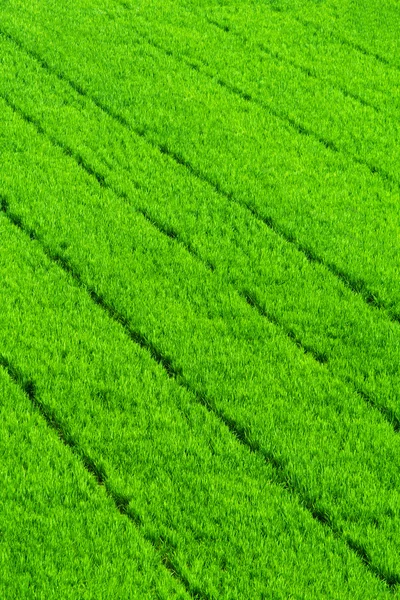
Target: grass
{"x": 199, "y": 336}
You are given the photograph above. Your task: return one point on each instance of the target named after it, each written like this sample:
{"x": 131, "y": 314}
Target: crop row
{"x": 310, "y": 192}
{"x": 357, "y": 26}
{"x": 60, "y": 534}
{"x": 312, "y": 306}
{"x": 271, "y": 78}
{"x": 207, "y": 502}
{"x": 318, "y": 53}
{"x": 328, "y": 444}
{"x": 360, "y": 25}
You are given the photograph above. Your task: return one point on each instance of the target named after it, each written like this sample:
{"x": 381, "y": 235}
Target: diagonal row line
{"x": 240, "y": 434}
{"x": 276, "y": 56}
{"x": 247, "y": 295}
{"x": 357, "y": 286}
{"x": 310, "y": 24}
{"x": 287, "y": 61}
{"x": 281, "y": 475}
{"x": 280, "y": 115}
{"x": 388, "y": 414}
{"x": 346, "y": 42}
{"x": 319, "y": 357}
{"x": 120, "y": 501}
{"x": 301, "y": 129}
{"x": 164, "y": 230}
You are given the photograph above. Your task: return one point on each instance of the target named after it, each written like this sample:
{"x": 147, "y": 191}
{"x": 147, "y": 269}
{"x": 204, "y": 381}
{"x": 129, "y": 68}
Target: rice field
{"x": 199, "y": 299}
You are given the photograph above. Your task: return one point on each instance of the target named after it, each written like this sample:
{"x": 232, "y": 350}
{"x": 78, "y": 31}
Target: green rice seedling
{"x": 212, "y": 508}
{"x": 313, "y": 305}
{"x": 60, "y": 535}
{"x": 289, "y": 178}
{"x": 326, "y": 444}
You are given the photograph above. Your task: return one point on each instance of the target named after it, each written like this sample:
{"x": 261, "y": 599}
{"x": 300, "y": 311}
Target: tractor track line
{"x": 353, "y": 45}
{"x": 248, "y": 97}
{"x": 121, "y": 502}
{"x": 279, "y": 115}
{"x": 287, "y": 61}
{"x": 245, "y": 294}
{"x": 161, "y": 228}
{"x": 358, "y": 287}
{"x": 263, "y": 48}
{"x": 309, "y": 24}
{"x": 281, "y": 476}
{"x": 388, "y": 414}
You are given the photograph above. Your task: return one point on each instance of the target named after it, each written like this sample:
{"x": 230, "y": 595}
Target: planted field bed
{"x": 200, "y": 299}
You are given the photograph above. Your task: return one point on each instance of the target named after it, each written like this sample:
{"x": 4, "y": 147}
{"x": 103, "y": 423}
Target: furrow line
{"x": 164, "y": 230}
{"x": 353, "y": 45}
{"x": 389, "y": 415}
{"x": 247, "y": 295}
{"x": 65, "y": 79}
{"x": 174, "y": 235}
{"x": 67, "y": 151}
{"x": 310, "y": 24}
{"x": 251, "y": 300}
{"x": 281, "y": 476}
{"x": 281, "y": 116}
{"x": 286, "y": 61}
{"x": 358, "y": 287}
{"x": 120, "y": 501}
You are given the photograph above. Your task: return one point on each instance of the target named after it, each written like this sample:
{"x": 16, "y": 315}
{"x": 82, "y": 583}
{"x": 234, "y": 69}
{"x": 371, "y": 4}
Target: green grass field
{"x": 200, "y": 299}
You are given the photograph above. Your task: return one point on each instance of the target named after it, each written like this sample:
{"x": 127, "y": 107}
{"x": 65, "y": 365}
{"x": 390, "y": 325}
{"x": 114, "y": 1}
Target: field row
{"x": 317, "y": 53}
{"x": 209, "y": 504}
{"x": 310, "y": 193}
{"x": 306, "y": 300}
{"x": 245, "y": 60}
{"x": 47, "y": 494}
{"x": 329, "y": 445}
{"x": 199, "y": 334}
{"x": 357, "y": 25}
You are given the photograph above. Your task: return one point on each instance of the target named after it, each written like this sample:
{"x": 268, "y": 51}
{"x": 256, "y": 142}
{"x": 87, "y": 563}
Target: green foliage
{"x": 312, "y": 305}
{"x": 199, "y": 292}
{"x": 60, "y": 536}
{"x": 207, "y": 503}
{"x": 265, "y": 159}
{"x": 278, "y": 399}
{"x": 373, "y": 30}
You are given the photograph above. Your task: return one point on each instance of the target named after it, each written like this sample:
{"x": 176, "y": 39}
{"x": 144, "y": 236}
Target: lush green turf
{"x": 61, "y": 537}
{"x": 213, "y": 509}
{"x": 310, "y": 192}
{"x": 356, "y": 23}
{"x": 200, "y": 294}
{"x": 304, "y": 297}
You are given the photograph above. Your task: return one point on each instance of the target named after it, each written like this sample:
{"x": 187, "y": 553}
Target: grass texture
{"x": 200, "y": 301}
